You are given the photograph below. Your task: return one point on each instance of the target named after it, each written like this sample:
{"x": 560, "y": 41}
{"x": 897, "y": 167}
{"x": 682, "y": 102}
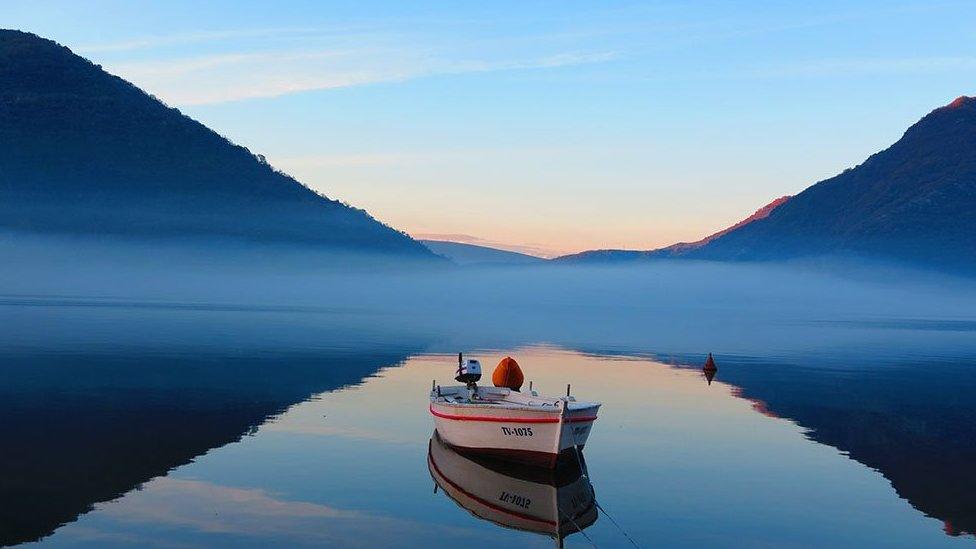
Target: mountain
{"x": 85, "y": 152}
{"x": 470, "y": 254}
{"x": 914, "y": 202}
{"x": 672, "y": 250}
{"x": 761, "y": 213}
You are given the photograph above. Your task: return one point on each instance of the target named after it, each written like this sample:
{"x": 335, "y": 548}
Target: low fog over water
{"x": 671, "y": 307}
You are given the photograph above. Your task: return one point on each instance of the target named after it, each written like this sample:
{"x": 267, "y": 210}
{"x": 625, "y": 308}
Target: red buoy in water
{"x": 710, "y": 368}
{"x": 710, "y": 364}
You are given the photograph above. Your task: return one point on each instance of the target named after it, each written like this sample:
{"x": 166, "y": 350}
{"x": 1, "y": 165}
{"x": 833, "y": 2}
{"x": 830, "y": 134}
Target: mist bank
{"x": 667, "y": 307}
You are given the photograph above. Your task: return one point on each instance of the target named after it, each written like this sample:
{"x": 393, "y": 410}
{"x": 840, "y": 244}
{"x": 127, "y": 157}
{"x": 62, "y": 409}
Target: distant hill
{"x": 616, "y": 256}
{"x": 470, "y": 254}
{"x": 85, "y": 152}
{"x": 914, "y": 202}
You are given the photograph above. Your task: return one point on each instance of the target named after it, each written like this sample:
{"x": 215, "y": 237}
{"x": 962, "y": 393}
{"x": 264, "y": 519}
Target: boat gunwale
{"x": 551, "y": 406}
{"x": 571, "y": 406}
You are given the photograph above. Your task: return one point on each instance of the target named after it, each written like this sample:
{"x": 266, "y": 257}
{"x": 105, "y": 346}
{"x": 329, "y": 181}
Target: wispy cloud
{"x": 160, "y": 41}
{"x": 302, "y": 163}
{"x": 181, "y": 67}
{"x": 228, "y": 77}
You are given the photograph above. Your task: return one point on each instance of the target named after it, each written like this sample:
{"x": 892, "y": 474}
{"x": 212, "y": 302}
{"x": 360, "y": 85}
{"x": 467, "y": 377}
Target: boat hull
{"x": 535, "y": 437}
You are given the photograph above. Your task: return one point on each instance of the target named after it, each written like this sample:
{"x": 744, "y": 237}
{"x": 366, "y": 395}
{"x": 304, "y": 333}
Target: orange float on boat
{"x": 508, "y": 374}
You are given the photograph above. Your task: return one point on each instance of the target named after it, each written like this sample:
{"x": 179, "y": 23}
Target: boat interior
{"x": 503, "y": 397}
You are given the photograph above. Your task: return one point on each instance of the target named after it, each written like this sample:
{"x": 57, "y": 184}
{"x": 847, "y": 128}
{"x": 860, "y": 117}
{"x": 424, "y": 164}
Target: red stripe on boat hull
{"x": 571, "y": 419}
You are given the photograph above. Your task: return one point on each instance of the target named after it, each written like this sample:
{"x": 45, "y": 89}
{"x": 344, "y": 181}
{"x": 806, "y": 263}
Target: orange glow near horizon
{"x": 563, "y": 244}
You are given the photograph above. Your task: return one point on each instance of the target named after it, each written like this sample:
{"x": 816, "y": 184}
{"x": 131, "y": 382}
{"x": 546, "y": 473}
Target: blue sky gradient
{"x": 548, "y": 127}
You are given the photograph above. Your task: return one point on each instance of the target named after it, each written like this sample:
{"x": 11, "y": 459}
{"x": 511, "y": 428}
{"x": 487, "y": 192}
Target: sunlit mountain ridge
{"x": 914, "y": 202}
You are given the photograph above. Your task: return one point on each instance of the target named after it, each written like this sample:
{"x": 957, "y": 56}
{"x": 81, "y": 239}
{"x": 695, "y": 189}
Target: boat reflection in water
{"x": 554, "y": 502}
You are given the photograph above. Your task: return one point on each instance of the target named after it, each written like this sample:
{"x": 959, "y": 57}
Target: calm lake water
{"x": 172, "y": 424}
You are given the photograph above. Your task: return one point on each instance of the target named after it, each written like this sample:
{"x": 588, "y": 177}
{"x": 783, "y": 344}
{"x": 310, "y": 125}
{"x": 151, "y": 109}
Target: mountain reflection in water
{"x": 82, "y": 424}
{"x": 913, "y": 421}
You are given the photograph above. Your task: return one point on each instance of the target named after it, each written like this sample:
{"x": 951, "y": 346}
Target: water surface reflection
{"x": 679, "y": 463}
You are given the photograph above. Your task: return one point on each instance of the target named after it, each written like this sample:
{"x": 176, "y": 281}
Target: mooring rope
{"x": 622, "y": 531}
{"x": 586, "y": 473}
{"x": 577, "y": 526}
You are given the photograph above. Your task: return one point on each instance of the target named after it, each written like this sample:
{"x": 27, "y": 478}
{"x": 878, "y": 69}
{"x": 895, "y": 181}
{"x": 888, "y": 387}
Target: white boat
{"x": 523, "y": 427}
{"x": 555, "y": 503}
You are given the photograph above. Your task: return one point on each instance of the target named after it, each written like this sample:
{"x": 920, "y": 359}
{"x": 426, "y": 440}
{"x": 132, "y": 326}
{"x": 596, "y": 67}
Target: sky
{"x": 545, "y": 127}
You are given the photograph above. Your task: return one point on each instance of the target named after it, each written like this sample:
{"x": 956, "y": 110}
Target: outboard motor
{"x": 468, "y": 372}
